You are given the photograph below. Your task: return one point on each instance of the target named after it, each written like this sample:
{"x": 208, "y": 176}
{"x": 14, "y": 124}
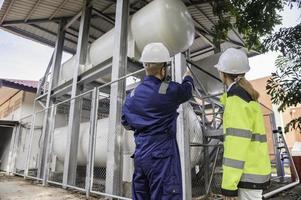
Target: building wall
{"x": 18, "y": 105}
{"x": 281, "y": 118}
{"x": 10, "y": 109}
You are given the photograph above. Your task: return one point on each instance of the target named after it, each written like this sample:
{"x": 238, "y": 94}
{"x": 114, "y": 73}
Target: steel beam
{"x": 11, "y": 3}
{"x": 42, "y": 82}
{"x": 33, "y": 21}
{"x": 58, "y": 53}
{"x": 55, "y": 69}
{"x": 103, "y": 16}
{"x": 58, "y": 9}
{"x": 119, "y": 68}
{"x": 183, "y": 138}
{"x": 50, "y": 32}
{"x": 33, "y": 9}
{"x": 92, "y": 141}
{"x": 72, "y": 20}
{"x": 70, "y": 164}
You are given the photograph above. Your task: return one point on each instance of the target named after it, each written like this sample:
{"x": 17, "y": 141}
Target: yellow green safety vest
{"x": 246, "y": 162}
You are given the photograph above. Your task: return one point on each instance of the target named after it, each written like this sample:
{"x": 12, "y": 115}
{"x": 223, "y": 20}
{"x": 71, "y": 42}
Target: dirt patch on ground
{"x": 16, "y": 188}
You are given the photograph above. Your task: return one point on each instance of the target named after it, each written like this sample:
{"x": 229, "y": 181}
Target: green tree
{"x": 284, "y": 86}
{"x": 254, "y": 20}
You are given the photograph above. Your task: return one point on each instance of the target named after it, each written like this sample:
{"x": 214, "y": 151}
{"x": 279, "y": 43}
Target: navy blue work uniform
{"x": 151, "y": 112}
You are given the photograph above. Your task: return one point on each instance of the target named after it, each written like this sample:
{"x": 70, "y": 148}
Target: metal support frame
{"x": 183, "y": 138}
{"x": 275, "y": 136}
{"x": 58, "y": 9}
{"x": 119, "y": 69}
{"x": 55, "y": 69}
{"x": 11, "y": 3}
{"x": 292, "y": 164}
{"x": 70, "y": 164}
{"x": 103, "y": 16}
{"x": 92, "y": 141}
{"x": 36, "y": 5}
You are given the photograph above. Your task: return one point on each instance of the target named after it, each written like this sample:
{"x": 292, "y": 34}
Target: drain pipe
{"x": 293, "y": 184}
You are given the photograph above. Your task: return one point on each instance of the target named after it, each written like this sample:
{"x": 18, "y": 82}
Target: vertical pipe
{"x": 119, "y": 68}
{"x": 183, "y": 138}
{"x": 70, "y": 164}
{"x": 92, "y": 138}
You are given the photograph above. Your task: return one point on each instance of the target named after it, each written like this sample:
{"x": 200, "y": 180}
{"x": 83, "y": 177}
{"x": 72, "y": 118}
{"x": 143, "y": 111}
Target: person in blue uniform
{"x": 150, "y": 110}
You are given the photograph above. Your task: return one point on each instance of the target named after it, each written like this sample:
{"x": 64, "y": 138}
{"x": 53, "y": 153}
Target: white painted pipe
{"x": 60, "y": 136}
{"x": 166, "y": 21}
{"x": 274, "y": 192}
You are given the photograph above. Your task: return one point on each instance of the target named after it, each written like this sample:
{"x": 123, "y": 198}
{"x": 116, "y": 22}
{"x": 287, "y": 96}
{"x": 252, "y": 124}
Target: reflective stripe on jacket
{"x": 246, "y": 161}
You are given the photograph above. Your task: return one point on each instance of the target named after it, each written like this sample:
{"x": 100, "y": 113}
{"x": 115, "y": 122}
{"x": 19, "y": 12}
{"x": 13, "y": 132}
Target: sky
{"x": 24, "y": 59}
{"x": 263, "y": 65}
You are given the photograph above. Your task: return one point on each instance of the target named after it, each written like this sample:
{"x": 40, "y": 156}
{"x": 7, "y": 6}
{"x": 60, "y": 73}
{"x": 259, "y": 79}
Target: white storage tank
{"x": 60, "y": 139}
{"x": 166, "y": 21}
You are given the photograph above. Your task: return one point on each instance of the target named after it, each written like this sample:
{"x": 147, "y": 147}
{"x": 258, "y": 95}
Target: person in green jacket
{"x": 246, "y": 162}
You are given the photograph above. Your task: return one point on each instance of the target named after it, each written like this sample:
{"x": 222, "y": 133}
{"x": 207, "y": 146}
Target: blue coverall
{"x": 151, "y": 111}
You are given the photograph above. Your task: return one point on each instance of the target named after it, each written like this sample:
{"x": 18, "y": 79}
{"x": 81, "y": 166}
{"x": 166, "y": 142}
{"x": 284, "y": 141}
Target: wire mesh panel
{"x": 35, "y": 144}
{"x": 83, "y": 140}
{"x": 22, "y": 144}
{"x": 100, "y": 148}
{"x": 58, "y": 136}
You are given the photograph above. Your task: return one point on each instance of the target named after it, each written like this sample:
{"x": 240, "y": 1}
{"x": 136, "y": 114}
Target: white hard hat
{"x": 233, "y": 61}
{"x": 155, "y": 53}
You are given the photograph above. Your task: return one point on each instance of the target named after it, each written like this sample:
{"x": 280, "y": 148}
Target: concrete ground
{"x": 16, "y": 188}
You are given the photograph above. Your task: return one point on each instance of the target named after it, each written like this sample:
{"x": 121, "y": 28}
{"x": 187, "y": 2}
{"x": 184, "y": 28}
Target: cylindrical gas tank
{"x": 60, "y": 139}
{"x": 166, "y": 21}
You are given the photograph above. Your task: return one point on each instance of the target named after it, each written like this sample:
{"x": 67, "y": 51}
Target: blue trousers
{"x": 157, "y": 174}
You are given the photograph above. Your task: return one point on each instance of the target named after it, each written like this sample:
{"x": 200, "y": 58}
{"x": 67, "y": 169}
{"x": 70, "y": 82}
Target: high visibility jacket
{"x": 246, "y": 162}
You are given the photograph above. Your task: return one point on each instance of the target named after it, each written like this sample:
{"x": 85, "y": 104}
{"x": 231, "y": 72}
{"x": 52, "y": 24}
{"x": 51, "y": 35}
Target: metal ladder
{"x": 211, "y": 123}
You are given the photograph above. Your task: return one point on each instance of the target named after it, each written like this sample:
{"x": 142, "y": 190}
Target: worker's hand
{"x": 188, "y": 73}
{"x": 229, "y": 198}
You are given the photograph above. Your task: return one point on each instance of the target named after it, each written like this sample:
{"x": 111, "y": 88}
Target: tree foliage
{"x": 284, "y": 86}
{"x": 253, "y": 19}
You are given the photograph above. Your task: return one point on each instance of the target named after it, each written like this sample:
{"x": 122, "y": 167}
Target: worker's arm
{"x": 125, "y": 111}
{"x": 237, "y": 128}
{"x": 184, "y": 91}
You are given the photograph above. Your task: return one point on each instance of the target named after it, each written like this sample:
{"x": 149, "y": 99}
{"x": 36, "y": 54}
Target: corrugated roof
{"x": 38, "y": 20}
{"x": 27, "y": 85}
